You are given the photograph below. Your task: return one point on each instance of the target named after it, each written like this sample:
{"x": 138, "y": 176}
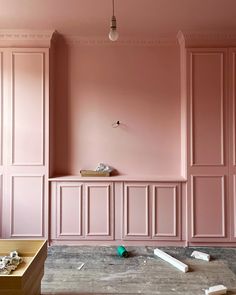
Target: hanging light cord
{"x": 113, "y": 9}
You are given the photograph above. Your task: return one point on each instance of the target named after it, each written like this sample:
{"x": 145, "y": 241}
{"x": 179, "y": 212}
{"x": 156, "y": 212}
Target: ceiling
{"x": 137, "y": 19}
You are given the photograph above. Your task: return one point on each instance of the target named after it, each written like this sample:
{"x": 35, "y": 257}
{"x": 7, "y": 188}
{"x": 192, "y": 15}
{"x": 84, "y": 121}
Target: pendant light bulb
{"x": 113, "y": 34}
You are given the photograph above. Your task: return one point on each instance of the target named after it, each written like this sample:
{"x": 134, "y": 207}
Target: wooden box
{"x": 26, "y": 279}
{"x": 92, "y": 173}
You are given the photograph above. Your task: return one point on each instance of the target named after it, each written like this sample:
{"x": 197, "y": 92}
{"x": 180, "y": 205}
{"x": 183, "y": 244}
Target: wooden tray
{"x": 26, "y": 279}
{"x": 92, "y": 173}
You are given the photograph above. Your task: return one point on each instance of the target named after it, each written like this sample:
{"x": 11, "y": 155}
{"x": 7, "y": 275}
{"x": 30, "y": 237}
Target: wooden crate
{"x": 26, "y": 279}
{"x": 92, "y": 173}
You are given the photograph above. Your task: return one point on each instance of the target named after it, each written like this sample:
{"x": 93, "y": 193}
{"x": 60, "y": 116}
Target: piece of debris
{"x": 122, "y": 252}
{"x": 201, "y": 255}
{"x": 9, "y": 263}
{"x": 175, "y": 262}
{"x": 216, "y": 290}
{"x": 81, "y": 266}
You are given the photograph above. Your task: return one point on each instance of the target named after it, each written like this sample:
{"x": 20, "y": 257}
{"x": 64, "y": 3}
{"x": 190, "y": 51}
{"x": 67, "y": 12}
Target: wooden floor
{"x": 106, "y": 273}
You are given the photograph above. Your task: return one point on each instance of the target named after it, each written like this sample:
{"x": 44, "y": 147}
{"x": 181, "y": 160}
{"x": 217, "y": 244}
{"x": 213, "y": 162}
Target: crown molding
{"x": 206, "y": 39}
{"x": 73, "y": 40}
{"x": 19, "y": 38}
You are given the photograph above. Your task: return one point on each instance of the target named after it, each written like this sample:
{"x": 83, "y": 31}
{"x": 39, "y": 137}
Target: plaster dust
{"x": 106, "y": 273}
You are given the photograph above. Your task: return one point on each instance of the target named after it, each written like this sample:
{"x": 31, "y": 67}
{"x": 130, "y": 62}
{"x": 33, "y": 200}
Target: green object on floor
{"x": 122, "y": 252}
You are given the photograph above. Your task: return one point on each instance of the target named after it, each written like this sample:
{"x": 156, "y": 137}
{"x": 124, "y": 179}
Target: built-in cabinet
{"x": 24, "y": 135}
{"x": 209, "y": 82}
{"x": 85, "y": 211}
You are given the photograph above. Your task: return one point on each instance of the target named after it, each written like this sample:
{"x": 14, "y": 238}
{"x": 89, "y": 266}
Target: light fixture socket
{"x": 113, "y": 23}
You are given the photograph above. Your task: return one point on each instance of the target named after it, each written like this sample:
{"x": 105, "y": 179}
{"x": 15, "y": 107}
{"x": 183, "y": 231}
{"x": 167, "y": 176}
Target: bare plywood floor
{"x": 106, "y": 273}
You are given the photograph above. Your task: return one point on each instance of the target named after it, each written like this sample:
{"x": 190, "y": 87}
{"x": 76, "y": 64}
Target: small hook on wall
{"x": 116, "y": 124}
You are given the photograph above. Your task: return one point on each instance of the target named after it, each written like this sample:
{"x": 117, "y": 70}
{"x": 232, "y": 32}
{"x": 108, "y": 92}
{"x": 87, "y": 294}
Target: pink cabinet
{"x": 24, "y": 136}
{"x": 207, "y": 141}
{"x": 82, "y": 211}
{"x": 152, "y": 211}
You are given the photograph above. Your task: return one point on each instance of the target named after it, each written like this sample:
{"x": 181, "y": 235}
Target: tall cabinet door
{"x": 232, "y": 140}
{"x": 1, "y": 135}
{"x": 26, "y": 97}
{"x": 207, "y": 144}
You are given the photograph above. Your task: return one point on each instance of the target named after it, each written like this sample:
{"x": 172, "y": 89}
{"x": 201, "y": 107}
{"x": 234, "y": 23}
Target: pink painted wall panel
{"x": 165, "y": 214}
{"x": 70, "y": 210}
{"x": 28, "y": 108}
{"x": 98, "y": 206}
{"x": 208, "y": 206}
{"x": 137, "y": 85}
{"x": 27, "y": 206}
{"x": 207, "y": 108}
{"x": 136, "y": 210}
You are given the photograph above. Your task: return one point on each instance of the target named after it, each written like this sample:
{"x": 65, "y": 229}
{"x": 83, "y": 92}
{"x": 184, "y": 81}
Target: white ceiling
{"x": 136, "y": 18}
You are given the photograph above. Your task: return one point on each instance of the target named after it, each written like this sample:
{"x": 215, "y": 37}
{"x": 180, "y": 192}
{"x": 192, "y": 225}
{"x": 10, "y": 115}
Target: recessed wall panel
{"x": 165, "y": 211}
{"x": 27, "y": 108}
{"x": 208, "y": 206}
{"x": 207, "y": 91}
{"x": 27, "y": 206}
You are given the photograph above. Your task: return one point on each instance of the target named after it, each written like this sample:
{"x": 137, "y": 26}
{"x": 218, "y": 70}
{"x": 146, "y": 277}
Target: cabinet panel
{"x": 27, "y": 206}
{"x": 28, "y": 108}
{"x": 136, "y": 211}
{"x": 166, "y": 211}
{"x": 208, "y": 206}
{"x": 99, "y": 211}
{"x": 69, "y": 210}
{"x": 207, "y": 93}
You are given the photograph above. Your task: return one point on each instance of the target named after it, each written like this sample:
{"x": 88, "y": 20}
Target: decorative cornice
{"x": 72, "y": 40}
{"x": 19, "y": 38}
{"x": 206, "y": 39}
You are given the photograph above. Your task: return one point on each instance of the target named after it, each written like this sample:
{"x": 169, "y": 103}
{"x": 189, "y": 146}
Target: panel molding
{"x": 126, "y": 232}
{"x": 60, "y": 233}
{"x": 175, "y": 211}
{"x": 192, "y": 150}
{"x": 109, "y": 220}
{"x": 42, "y": 162}
{"x": 12, "y": 177}
{"x": 223, "y": 220}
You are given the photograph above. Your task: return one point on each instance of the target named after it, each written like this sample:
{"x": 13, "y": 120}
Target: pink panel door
{"x": 166, "y": 212}
{"x": 208, "y": 199}
{"x": 69, "y": 211}
{"x": 1, "y": 139}
{"x": 136, "y": 210}
{"x": 27, "y": 206}
{"x": 207, "y": 95}
{"x": 26, "y": 97}
{"x": 99, "y": 208}
{"x": 207, "y": 144}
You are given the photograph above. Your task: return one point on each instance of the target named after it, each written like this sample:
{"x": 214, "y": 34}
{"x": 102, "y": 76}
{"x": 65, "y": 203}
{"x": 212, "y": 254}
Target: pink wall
{"x": 137, "y": 85}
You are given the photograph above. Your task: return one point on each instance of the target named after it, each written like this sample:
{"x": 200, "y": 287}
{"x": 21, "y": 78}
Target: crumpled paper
{"x": 9, "y": 263}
